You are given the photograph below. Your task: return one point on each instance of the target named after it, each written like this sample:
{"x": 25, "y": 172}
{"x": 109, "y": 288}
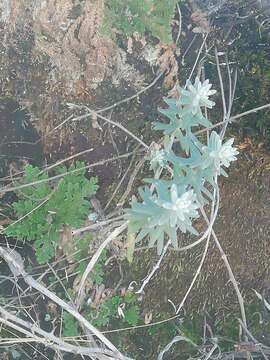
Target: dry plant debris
{"x": 199, "y": 18}
{"x": 164, "y": 56}
{"x": 69, "y": 34}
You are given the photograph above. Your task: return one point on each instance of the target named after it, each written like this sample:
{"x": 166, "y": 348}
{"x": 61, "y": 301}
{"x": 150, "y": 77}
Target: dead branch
{"x": 120, "y": 182}
{"x": 48, "y": 339}
{"x": 15, "y": 263}
{"x": 131, "y": 181}
{"x": 155, "y": 268}
{"x": 133, "y": 96}
{"x": 92, "y": 113}
{"x": 95, "y": 258}
{"x": 230, "y": 272}
{"x": 234, "y": 118}
{"x": 59, "y": 176}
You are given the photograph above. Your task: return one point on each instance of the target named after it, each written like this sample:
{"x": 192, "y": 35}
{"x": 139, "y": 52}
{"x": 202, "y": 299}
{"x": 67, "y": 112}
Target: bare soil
{"x": 243, "y": 222}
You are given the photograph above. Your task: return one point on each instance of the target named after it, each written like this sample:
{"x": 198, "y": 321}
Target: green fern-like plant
{"x": 70, "y": 325}
{"x": 139, "y": 16}
{"x": 42, "y": 210}
{"x": 116, "y": 307}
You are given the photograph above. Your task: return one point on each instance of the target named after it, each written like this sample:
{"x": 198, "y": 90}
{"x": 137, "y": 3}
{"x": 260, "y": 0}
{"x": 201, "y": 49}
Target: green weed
{"x": 131, "y": 16}
{"x": 42, "y": 210}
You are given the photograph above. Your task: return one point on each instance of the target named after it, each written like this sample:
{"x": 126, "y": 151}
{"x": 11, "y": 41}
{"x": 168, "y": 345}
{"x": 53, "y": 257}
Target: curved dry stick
{"x": 155, "y": 268}
{"x": 131, "y": 181}
{"x": 173, "y": 341}
{"x": 133, "y": 96}
{"x": 260, "y": 347}
{"x": 198, "y": 56}
{"x": 95, "y": 258}
{"x": 231, "y": 275}
{"x": 196, "y": 274}
{"x": 49, "y": 167}
{"x": 117, "y": 124}
{"x": 35, "y": 208}
{"x": 221, "y": 86}
{"x": 180, "y": 24}
{"x": 232, "y": 278}
{"x": 120, "y": 183}
{"x": 95, "y": 226}
{"x": 214, "y": 212}
{"x": 120, "y": 101}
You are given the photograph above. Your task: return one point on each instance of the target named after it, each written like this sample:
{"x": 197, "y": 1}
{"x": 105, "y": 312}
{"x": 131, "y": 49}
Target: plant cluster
{"x": 116, "y": 307}
{"x": 65, "y": 204}
{"x": 119, "y": 308}
{"x": 43, "y": 214}
{"x": 97, "y": 274}
{"x": 122, "y": 307}
{"x": 188, "y": 165}
{"x": 152, "y": 16}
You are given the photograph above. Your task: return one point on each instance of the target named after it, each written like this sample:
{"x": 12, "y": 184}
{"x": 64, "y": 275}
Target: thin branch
{"x": 92, "y": 113}
{"x": 47, "y": 168}
{"x": 214, "y": 212}
{"x": 198, "y": 56}
{"x": 16, "y": 266}
{"x": 155, "y": 268}
{"x": 35, "y": 208}
{"x": 4, "y": 190}
{"x": 188, "y": 48}
{"x": 208, "y": 356}
{"x": 180, "y": 24}
{"x": 230, "y": 272}
{"x": 133, "y": 96}
{"x": 230, "y": 83}
{"x": 221, "y": 86}
{"x": 46, "y": 338}
{"x": 234, "y": 118}
{"x": 196, "y": 274}
{"x": 59, "y": 125}
{"x": 231, "y": 93}
{"x": 95, "y": 258}
{"x": 96, "y": 226}
{"x": 120, "y": 182}
{"x": 174, "y": 340}
{"x": 131, "y": 181}
{"x": 257, "y": 344}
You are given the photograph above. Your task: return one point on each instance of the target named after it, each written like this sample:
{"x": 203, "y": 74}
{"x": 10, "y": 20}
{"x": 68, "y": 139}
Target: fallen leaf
{"x": 148, "y": 318}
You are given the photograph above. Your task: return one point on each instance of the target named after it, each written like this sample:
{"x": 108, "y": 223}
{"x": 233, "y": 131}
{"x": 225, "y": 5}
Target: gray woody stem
{"x": 16, "y": 266}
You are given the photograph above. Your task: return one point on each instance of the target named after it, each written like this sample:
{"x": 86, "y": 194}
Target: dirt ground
{"x": 242, "y": 225}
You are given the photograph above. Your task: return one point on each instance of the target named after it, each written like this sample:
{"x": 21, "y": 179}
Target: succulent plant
{"x": 170, "y": 204}
{"x": 197, "y": 96}
{"x": 162, "y": 213}
{"x": 216, "y": 154}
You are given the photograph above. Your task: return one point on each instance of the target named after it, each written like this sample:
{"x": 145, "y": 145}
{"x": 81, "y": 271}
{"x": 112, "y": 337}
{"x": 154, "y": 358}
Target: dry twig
{"x": 16, "y": 266}
{"x": 92, "y": 113}
{"x": 36, "y": 334}
{"x": 94, "y": 259}
{"x": 4, "y": 190}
